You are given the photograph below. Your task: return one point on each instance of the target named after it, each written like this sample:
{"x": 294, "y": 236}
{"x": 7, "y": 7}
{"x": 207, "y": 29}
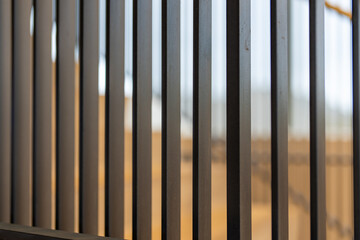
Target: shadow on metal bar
{"x": 17, "y": 232}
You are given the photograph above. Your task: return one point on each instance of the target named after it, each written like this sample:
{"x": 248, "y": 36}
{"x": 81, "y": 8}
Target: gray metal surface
{"x": 202, "y": 121}
{"x": 238, "y": 133}
{"x": 65, "y": 115}
{"x": 356, "y": 115}
{"x": 114, "y": 187}
{"x": 5, "y": 108}
{"x": 89, "y": 116}
{"x": 317, "y": 121}
{"x": 43, "y": 88}
{"x": 279, "y": 120}
{"x": 142, "y": 88}
{"x": 171, "y": 165}
{"x": 22, "y": 115}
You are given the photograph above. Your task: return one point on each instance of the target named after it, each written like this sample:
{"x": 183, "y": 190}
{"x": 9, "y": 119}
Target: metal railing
{"x": 26, "y": 137}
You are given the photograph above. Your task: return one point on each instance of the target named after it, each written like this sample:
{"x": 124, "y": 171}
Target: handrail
{"x": 338, "y": 9}
{"x": 13, "y": 231}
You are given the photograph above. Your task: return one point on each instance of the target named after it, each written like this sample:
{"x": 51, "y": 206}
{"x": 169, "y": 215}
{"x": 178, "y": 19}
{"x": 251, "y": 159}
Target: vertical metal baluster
{"x": 317, "y": 121}
{"x": 43, "y": 87}
{"x": 142, "y": 95}
{"x": 65, "y": 115}
{"x": 5, "y": 108}
{"x": 89, "y": 116}
{"x": 279, "y": 120}
{"x": 238, "y": 132}
{"x": 356, "y": 116}
{"x": 171, "y": 165}
{"x": 279, "y": 124}
{"x": 115, "y": 98}
{"x": 202, "y": 121}
{"x": 22, "y": 115}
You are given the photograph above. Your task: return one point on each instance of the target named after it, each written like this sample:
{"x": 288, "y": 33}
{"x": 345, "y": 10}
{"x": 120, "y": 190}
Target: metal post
{"x": 171, "y": 164}
{"x": 317, "y": 122}
{"x": 202, "y": 121}
{"x": 22, "y": 115}
{"x": 238, "y": 120}
{"x": 65, "y": 115}
{"x": 142, "y": 96}
{"x": 43, "y": 88}
{"x": 5, "y": 108}
{"x": 279, "y": 120}
{"x": 115, "y": 99}
{"x": 89, "y": 116}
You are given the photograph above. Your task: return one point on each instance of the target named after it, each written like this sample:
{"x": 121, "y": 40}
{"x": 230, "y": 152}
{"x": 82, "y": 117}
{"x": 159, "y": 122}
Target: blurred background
{"x": 338, "y": 78}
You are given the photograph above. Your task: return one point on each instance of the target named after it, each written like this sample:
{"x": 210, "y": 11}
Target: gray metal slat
{"x": 65, "y": 115}
{"x": 89, "y": 116}
{"x": 115, "y": 99}
{"x": 22, "y": 115}
{"x": 5, "y": 108}
{"x": 142, "y": 96}
{"x": 317, "y": 121}
{"x": 279, "y": 120}
{"x": 202, "y": 121}
{"x": 171, "y": 158}
{"x": 238, "y": 125}
{"x": 42, "y": 197}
